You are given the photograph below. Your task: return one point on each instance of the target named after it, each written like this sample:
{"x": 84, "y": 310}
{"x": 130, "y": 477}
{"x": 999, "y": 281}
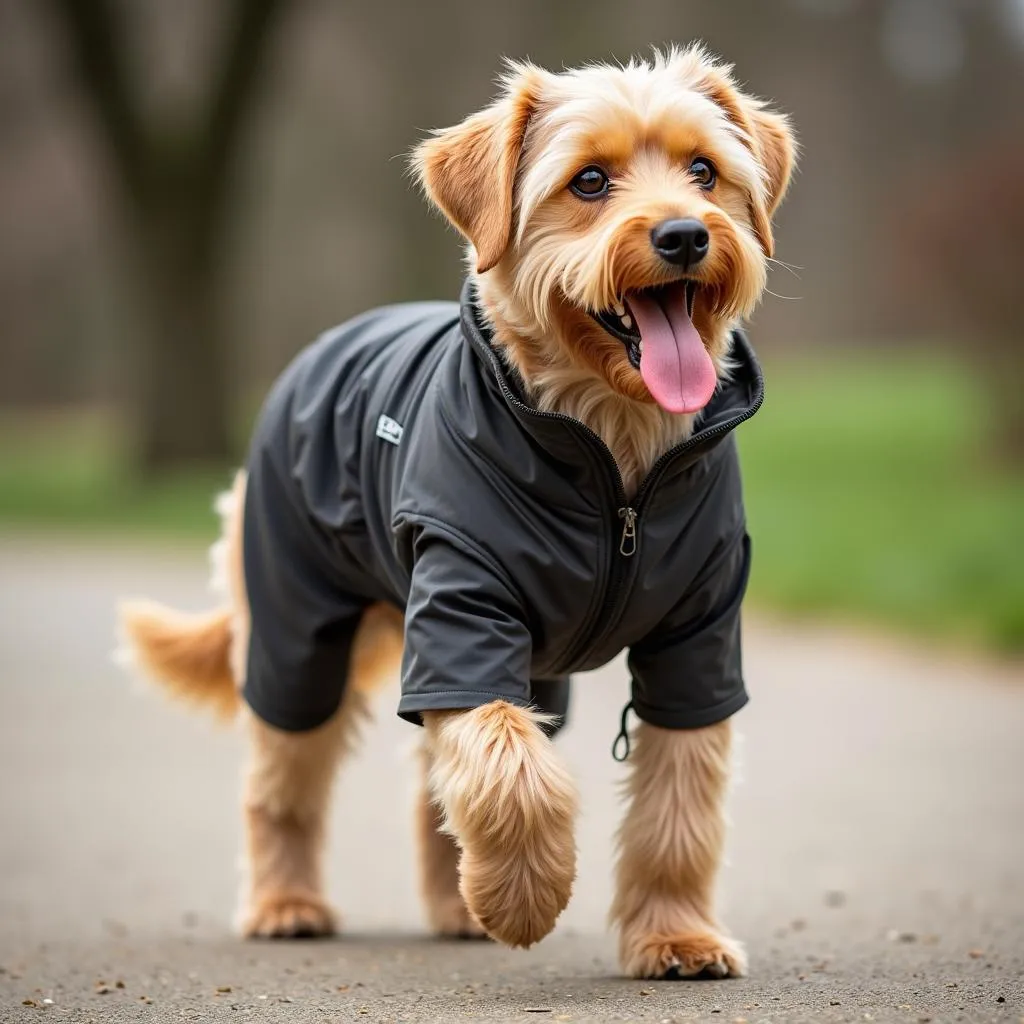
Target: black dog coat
{"x": 397, "y": 460}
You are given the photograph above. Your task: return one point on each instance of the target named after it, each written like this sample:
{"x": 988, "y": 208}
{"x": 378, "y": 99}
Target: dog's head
{"x": 619, "y": 217}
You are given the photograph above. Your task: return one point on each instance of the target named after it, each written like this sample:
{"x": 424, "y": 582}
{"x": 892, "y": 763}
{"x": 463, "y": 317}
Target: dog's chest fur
{"x": 636, "y": 435}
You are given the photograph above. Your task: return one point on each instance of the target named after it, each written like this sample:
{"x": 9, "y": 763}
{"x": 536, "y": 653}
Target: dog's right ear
{"x": 468, "y": 171}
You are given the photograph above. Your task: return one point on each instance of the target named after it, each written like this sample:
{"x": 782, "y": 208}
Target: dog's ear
{"x": 775, "y": 149}
{"x": 468, "y": 171}
{"x": 768, "y": 135}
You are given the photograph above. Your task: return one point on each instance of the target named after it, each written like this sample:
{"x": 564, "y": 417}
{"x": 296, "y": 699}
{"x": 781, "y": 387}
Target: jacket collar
{"x": 735, "y": 400}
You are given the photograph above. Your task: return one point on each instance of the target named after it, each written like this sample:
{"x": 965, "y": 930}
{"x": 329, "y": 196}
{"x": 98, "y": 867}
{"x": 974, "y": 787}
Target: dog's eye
{"x": 590, "y": 183}
{"x": 704, "y": 173}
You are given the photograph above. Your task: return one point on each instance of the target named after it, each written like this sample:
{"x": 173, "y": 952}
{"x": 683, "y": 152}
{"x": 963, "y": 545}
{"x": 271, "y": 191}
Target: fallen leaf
{"x": 29, "y": 1002}
{"x": 975, "y": 954}
{"x": 223, "y": 988}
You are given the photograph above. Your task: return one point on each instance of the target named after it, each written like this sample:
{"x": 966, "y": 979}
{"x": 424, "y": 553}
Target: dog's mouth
{"x": 656, "y": 327}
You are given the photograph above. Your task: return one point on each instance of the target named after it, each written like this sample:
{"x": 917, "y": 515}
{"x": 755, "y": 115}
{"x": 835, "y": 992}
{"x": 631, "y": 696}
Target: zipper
{"x": 615, "y": 595}
{"x": 627, "y": 543}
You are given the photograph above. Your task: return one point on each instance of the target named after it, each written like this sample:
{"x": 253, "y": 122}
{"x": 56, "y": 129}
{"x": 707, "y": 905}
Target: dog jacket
{"x": 397, "y": 459}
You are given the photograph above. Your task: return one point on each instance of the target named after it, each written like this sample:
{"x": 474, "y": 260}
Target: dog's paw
{"x": 515, "y": 897}
{"x": 511, "y": 805}
{"x": 289, "y": 916}
{"x": 450, "y": 919}
{"x": 703, "y": 954}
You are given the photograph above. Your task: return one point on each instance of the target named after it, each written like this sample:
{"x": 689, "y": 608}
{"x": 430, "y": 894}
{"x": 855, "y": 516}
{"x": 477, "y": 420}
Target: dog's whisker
{"x": 785, "y": 266}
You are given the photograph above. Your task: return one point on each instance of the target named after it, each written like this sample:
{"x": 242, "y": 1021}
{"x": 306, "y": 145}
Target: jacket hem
{"x": 695, "y": 718}
{"x": 411, "y": 705}
{"x": 289, "y": 721}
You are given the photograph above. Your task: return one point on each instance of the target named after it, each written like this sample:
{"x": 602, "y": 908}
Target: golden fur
{"x": 556, "y": 257}
{"x": 447, "y": 912}
{"x": 496, "y": 811}
{"x": 669, "y": 848}
{"x": 511, "y": 805}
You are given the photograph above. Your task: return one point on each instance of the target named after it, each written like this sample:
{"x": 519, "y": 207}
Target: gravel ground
{"x": 876, "y": 861}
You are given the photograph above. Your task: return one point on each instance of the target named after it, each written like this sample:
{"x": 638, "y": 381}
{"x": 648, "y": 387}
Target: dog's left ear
{"x": 775, "y": 150}
{"x": 768, "y": 135}
{"x": 468, "y": 171}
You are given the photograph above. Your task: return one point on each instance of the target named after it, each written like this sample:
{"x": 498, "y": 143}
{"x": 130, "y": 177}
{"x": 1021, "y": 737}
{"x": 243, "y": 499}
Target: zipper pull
{"x": 627, "y": 546}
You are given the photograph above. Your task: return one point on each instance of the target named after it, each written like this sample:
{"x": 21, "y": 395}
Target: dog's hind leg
{"x": 511, "y": 806}
{"x": 288, "y": 790}
{"x": 670, "y": 849}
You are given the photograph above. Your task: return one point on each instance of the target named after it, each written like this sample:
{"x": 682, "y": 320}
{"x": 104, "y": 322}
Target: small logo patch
{"x": 389, "y": 430}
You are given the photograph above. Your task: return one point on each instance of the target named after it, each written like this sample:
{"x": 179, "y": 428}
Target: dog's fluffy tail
{"x": 188, "y": 655}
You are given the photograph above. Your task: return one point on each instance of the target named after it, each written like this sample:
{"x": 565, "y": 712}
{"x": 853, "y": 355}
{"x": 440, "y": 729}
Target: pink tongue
{"x": 674, "y": 363}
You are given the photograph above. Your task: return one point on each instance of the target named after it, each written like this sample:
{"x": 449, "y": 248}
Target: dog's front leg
{"x": 670, "y": 848}
{"x": 511, "y": 805}
{"x": 439, "y": 867}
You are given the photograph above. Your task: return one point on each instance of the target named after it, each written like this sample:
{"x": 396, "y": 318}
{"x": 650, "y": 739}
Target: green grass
{"x": 870, "y": 491}
{"x": 67, "y": 471}
{"x": 872, "y": 494}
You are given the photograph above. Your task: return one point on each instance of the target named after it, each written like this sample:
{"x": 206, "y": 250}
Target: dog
{"x": 500, "y": 493}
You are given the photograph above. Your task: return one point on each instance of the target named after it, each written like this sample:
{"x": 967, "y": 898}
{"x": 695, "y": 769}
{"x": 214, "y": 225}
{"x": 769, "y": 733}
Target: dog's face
{"x": 620, "y": 216}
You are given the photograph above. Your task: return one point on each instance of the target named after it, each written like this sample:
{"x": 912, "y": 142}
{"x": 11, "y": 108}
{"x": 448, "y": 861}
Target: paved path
{"x": 876, "y": 866}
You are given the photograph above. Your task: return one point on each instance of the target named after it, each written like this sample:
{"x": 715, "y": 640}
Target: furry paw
{"x": 693, "y": 954}
{"x": 518, "y": 893}
{"x": 511, "y": 805}
{"x": 450, "y": 919}
{"x": 289, "y": 916}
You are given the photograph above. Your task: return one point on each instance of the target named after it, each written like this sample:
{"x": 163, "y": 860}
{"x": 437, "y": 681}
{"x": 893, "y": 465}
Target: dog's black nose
{"x": 683, "y": 243}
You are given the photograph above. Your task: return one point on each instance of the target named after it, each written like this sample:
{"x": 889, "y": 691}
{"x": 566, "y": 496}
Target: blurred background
{"x": 190, "y": 192}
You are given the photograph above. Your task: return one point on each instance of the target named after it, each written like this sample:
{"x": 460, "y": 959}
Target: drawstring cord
{"x": 622, "y": 740}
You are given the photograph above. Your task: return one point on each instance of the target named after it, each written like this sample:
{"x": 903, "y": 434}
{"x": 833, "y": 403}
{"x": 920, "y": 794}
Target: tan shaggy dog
{"x": 556, "y": 187}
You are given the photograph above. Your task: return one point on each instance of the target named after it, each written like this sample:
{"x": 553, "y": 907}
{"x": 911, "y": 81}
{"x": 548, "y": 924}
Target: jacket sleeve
{"x": 688, "y": 672}
{"x": 466, "y": 638}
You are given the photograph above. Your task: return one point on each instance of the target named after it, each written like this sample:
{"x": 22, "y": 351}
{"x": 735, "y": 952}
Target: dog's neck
{"x": 636, "y": 433}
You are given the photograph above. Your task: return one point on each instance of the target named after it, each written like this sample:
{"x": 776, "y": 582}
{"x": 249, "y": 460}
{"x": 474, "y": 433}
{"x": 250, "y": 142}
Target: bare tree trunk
{"x": 176, "y": 195}
{"x": 181, "y": 362}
